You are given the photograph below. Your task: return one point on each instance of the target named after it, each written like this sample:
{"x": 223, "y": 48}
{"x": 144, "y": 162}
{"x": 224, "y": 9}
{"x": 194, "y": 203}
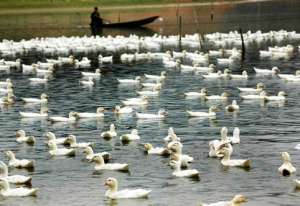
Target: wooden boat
{"x": 130, "y": 24}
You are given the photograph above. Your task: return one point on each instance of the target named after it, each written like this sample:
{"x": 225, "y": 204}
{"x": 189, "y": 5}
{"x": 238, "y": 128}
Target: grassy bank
{"x": 30, "y": 4}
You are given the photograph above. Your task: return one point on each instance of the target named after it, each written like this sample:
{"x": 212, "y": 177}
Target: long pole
{"x": 180, "y": 33}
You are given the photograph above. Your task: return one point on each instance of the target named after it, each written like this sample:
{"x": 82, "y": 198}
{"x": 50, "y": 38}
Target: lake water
{"x": 266, "y": 130}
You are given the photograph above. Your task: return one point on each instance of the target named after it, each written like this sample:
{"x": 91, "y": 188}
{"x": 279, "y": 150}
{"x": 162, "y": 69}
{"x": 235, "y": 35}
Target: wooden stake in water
{"x": 180, "y": 33}
{"x": 243, "y": 44}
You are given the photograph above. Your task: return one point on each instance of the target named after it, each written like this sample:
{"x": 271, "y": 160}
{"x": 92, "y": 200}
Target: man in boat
{"x": 96, "y": 22}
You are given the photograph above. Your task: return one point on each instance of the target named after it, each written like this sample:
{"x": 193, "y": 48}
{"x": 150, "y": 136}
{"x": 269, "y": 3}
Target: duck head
{"x": 112, "y": 128}
{"x": 88, "y": 151}
{"x": 116, "y": 109}
{"x": 282, "y": 94}
{"x": 100, "y": 110}
{"x": 98, "y": 159}
{"x": 50, "y": 136}
{"x": 10, "y": 155}
{"x": 175, "y": 146}
{"x": 148, "y": 146}
{"x": 20, "y": 133}
{"x": 239, "y": 199}
{"x": 111, "y": 183}
{"x": 44, "y": 96}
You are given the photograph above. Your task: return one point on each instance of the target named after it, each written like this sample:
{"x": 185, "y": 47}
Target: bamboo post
{"x": 243, "y": 45}
{"x": 180, "y": 33}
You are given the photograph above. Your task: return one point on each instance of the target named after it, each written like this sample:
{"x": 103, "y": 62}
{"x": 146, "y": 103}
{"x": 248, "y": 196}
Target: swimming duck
{"x": 101, "y": 165}
{"x": 98, "y": 114}
{"x": 160, "y": 115}
{"x": 273, "y": 71}
{"x": 297, "y": 184}
{"x": 286, "y": 168}
{"x": 15, "y": 179}
{"x": 137, "y": 80}
{"x": 6, "y": 191}
{"x": 107, "y": 59}
{"x": 72, "y": 118}
{"x": 110, "y": 133}
{"x": 122, "y": 110}
{"x": 88, "y": 151}
{"x": 152, "y": 85}
{"x": 262, "y": 95}
{"x": 216, "y": 145}
{"x": 176, "y": 154}
{"x": 156, "y": 77}
{"x": 88, "y": 82}
{"x": 223, "y": 96}
{"x": 52, "y": 138}
{"x": 21, "y": 137}
{"x": 259, "y": 88}
{"x": 130, "y": 137}
{"x": 156, "y": 150}
{"x": 244, "y": 75}
{"x": 176, "y": 165}
{"x": 153, "y": 92}
{"x": 226, "y": 161}
{"x": 213, "y": 75}
{"x": 171, "y": 136}
{"x": 71, "y": 139}
{"x": 43, "y": 99}
{"x": 29, "y": 69}
{"x": 238, "y": 200}
{"x": 13, "y": 162}
{"x": 55, "y": 151}
{"x": 113, "y": 192}
{"x": 232, "y": 107}
{"x": 202, "y": 93}
{"x": 280, "y": 97}
{"x": 95, "y": 74}
{"x": 39, "y": 80}
{"x": 136, "y": 101}
{"x": 43, "y": 114}
{"x": 211, "y": 113}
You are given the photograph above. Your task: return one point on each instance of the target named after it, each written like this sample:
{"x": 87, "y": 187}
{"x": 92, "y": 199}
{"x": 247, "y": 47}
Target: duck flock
{"x": 213, "y": 58}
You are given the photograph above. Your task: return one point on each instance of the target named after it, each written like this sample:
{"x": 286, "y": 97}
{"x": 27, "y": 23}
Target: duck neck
{"x": 226, "y": 156}
{"x": 4, "y": 171}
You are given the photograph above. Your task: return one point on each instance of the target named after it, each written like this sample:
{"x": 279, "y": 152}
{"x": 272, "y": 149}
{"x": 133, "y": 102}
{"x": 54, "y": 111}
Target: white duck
{"x": 98, "y": 114}
{"x": 273, "y": 71}
{"x": 71, "y": 139}
{"x": 176, "y": 154}
{"x": 122, "y": 110}
{"x": 226, "y": 161}
{"x": 136, "y": 80}
{"x": 21, "y": 137}
{"x": 297, "y": 184}
{"x": 202, "y": 93}
{"x": 95, "y": 74}
{"x": 136, "y": 101}
{"x": 235, "y": 139}
{"x": 213, "y": 75}
{"x": 113, "y": 192}
{"x": 280, "y": 97}
{"x": 42, "y": 114}
{"x": 259, "y": 88}
{"x": 89, "y": 154}
{"x": 152, "y": 85}
{"x": 15, "y": 179}
{"x": 110, "y": 133}
{"x": 43, "y": 99}
{"x": 160, "y": 115}
{"x": 89, "y": 82}
{"x": 72, "y": 118}
{"x": 238, "y": 200}
{"x": 171, "y": 136}
{"x": 216, "y": 145}
{"x": 39, "y": 80}
{"x": 156, "y": 150}
{"x": 55, "y": 151}
{"x": 286, "y": 168}
{"x": 176, "y": 165}
{"x": 244, "y": 75}
{"x": 23, "y": 163}
{"x": 6, "y": 191}
{"x": 156, "y": 77}
{"x": 223, "y": 96}
{"x": 232, "y": 107}
{"x": 101, "y": 165}
{"x": 262, "y": 95}
{"x": 130, "y": 137}
{"x": 211, "y": 113}
{"x": 153, "y": 92}
{"x": 52, "y": 138}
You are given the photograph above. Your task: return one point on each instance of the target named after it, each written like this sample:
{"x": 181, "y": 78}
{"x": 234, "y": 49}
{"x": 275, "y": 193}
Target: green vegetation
{"x": 30, "y": 4}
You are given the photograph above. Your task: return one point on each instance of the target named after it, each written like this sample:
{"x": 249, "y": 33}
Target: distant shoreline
{"x": 85, "y": 8}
